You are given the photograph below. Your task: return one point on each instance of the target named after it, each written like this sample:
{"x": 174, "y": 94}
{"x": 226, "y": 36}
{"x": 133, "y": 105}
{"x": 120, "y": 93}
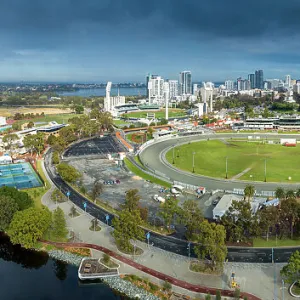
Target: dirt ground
{"x": 8, "y": 112}
{"x": 104, "y": 169}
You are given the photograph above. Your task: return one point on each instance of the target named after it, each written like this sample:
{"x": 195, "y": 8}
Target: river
{"x": 101, "y": 92}
{"x": 33, "y": 275}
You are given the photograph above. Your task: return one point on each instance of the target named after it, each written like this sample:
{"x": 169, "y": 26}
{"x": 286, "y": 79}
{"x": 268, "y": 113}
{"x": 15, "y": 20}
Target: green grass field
{"x": 243, "y": 157}
{"x": 158, "y": 114}
{"x": 273, "y": 242}
{"x": 59, "y": 118}
{"x": 144, "y": 175}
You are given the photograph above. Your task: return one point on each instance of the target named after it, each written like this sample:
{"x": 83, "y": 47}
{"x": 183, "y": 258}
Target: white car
{"x": 159, "y": 199}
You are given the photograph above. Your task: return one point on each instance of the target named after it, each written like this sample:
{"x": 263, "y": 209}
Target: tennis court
{"x": 20, "y": 176}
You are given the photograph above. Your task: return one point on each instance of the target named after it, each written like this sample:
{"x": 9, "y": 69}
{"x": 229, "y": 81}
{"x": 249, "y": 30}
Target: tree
{"x": 208, "y": 297}
{"x": 97, "y": 190}
{"x": 191, "y": 216}
{"x": 132, "y": 200}
{"x": 289, "y": 214}
{"x": 34, "y": 142}
{"x": 249, "y": 191}
{"x": 106, "y": 258}
{"x": 291, "y": 271}
{"x": 211, "y": 243}
{"x": 9, "y": 139}
{"x": 280, "y": 193}
{"x": 266, "y": 113}
{"x": 238, "y": 221}
{"x": 290, "y": 194}
{"x": 68, "y": 134}
{"x": 60, "y": 269}
{"x": 78, "y": 109}
{"x": 8, "y": 207}
{"x": 298, "y": 193}
{"x": 30, "y": 124}
{"x": 67, "y": 172}
{"x": 23, "y": 200}
{"x": 126, "y": 227}
{"x": 150, "y": 131}
{"x": 168, "y": 210}
{"x": 144, "y": 213}
{"x": 59, "y": 225}
{"x": 94, "y": 224}
{"x": 28, "y": 226}
{"x": 16, "y": 126}
{"x": 237, "y": 294}
{"x": 51, "y": 140}
{"x": 268, "y": 217}
{"x": 55, "y": 158}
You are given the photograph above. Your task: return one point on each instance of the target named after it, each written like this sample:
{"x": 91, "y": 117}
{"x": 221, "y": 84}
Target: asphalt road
{"x": 157, "y": 150}
{"x": 168, "y": 243}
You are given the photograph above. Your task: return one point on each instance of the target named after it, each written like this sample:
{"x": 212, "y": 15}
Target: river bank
{"x": 116, "y": 283}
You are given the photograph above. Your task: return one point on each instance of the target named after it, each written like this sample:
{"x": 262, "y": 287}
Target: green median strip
{"x": 134, "y": 169}
{"x": 273, "y": 242}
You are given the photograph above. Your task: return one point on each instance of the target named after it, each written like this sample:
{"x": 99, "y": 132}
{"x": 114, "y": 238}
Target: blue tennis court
{"x": 20, "y": 176}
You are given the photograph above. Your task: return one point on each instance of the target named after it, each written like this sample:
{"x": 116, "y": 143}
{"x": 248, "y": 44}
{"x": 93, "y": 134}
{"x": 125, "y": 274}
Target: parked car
{"x": 216, "y": 201}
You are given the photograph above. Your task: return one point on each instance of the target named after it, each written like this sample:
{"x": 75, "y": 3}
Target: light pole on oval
{"x": 226, "y": 167}
{"x": 194, "y": 162}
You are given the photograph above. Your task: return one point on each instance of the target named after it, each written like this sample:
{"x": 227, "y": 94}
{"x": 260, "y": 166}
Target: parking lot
{"x": 100, "y": 146}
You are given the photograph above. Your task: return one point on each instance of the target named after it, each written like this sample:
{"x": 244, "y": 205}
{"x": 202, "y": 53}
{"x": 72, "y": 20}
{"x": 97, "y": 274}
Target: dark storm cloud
{"x": 232, "y": 18}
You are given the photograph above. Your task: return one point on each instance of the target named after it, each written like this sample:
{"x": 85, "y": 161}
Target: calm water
{"x": 30, "y": 275}
{"x": 101, "y": 92}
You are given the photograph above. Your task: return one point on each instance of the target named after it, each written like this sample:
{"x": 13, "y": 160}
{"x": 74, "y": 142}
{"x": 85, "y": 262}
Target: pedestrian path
{"x": 159, "y": 275}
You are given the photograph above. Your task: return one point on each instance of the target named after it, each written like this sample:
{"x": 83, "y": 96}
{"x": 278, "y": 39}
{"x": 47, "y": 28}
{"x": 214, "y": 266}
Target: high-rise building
{"x": 288, "y": 81}
{"x": 155, "y": 89}
{"x": 251, "y": 78}
{"x": 259, "y": 79}
{"x": 229, "y": 85}
{"x": 185, "y": 82}
{"x": 195, "y": 89}
{"x": 296, "y": 88}
{"x": 243, "y": 84}
{"x": 173, "y": 87}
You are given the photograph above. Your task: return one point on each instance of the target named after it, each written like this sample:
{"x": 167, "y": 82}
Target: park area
{"x": 245, "y": 160}
{"x": 159, "y": 114}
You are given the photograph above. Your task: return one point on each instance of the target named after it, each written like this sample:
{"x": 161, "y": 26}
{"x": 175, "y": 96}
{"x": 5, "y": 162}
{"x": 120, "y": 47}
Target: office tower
{"x": 259, "y": 79}
{"x": 185, "y": 83}
{"x": 251, "y": 78}
{"x": 167, "y": 98}
{"x": 195, "y": 89}
{"x": 243, "y": 84}
{"x": 288, "y": 81}
{"x": 229, "y": 85}
{"x": 173, "y": 87}
{"x": 207, "y": 95}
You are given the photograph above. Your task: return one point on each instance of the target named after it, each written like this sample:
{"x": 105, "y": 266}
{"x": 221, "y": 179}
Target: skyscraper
{"x": 251, "y": 78}
{"x": 185, "y": 82}
{"x": 155, "y": 89}
{"x": 288, "y": 81}
{"x": 259, "y": 79}
{"x": 229, "y": 85}
{"x": 173, "y": 86}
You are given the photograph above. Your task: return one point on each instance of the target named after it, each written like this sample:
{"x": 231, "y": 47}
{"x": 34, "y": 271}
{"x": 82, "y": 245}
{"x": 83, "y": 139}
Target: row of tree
{"x": 24, "y": 223}
{"x": 210, "y": 237}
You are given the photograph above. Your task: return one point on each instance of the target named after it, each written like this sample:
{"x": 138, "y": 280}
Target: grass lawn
{"x": 144, "y": 175}
{"x": 121, "y": 122}
{"x": 59, "y": 118}
{"x": 260, "y": 242}
{"x": 158, "y": 114}
{"x": 247, "y": 157}
{"x": 37, "y": 193}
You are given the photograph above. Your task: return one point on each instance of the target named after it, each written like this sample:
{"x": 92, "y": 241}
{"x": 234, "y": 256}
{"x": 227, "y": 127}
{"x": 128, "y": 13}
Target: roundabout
{"x": 169, "y": 170}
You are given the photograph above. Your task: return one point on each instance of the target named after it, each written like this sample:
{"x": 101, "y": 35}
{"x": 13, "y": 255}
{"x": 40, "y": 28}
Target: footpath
{"x": 161, "y": 265}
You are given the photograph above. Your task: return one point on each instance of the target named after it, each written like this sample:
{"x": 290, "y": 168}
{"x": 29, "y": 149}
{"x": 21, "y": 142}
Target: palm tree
{"x": 249, "y": 191}
{"x": 290, "y": 194}
{"x": 280, "y": 193}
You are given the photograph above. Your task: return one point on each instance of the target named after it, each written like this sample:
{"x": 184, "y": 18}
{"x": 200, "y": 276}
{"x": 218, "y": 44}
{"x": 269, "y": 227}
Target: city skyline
{"x": 97, "y": 41}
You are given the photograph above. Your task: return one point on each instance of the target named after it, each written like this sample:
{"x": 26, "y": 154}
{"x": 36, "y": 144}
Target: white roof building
{"x": 223, "y": 205}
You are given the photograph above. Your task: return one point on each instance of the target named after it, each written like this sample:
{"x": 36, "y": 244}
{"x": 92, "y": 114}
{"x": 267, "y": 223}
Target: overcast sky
{"x": 123, "y": 40}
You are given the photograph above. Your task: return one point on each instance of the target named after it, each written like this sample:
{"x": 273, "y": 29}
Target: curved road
{"x": 159, "y": 275}
{"x": 169, "y": 243}
{"x": 160, "y": 165}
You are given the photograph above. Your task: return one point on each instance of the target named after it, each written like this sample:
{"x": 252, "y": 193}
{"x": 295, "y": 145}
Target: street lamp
{"x": 283, "y": 289}
{"x": 265, "y": 170}
{"x": 226, "y": 167}
{"x": 189, "y": 248}
{"x": 177, "y": 152}
{"x": 173, "y": 155}
{"x": 194, "y": 162}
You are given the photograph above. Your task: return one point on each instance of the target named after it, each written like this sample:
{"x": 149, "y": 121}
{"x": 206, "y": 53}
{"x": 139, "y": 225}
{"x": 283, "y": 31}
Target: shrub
{"x": 167, "y": 286}
{"x": 208, "y": 297}
{"x": 218, "y": 295}
{"x": 106, "y": 258}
